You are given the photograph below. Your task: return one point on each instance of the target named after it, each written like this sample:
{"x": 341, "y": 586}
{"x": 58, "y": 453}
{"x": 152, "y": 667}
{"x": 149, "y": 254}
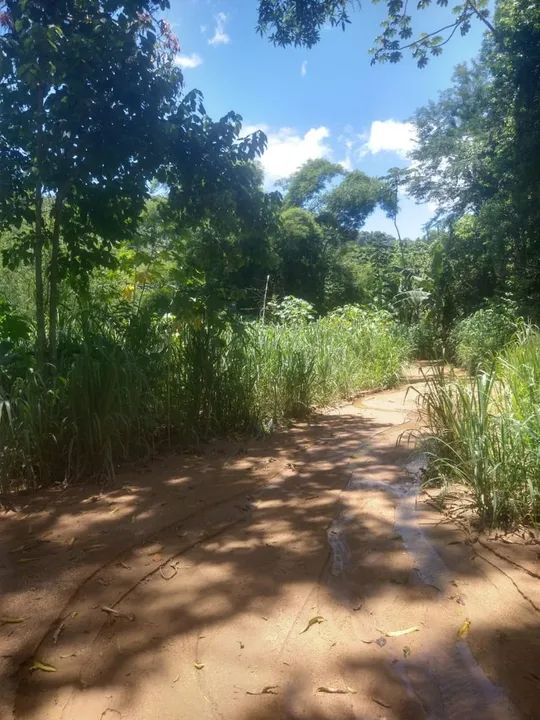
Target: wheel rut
{"x": 323, "y": 589}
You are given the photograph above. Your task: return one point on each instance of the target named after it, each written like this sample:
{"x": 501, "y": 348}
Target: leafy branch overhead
{"x": 299, "y": 23}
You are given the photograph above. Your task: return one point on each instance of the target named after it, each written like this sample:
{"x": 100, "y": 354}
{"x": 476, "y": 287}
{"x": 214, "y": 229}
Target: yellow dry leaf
{"x": 336, "y": 691}
{"x": 44, "y": 667}
{"x": 464, "y": 629}
{"x": 198, "y": 666}
{"x": 11, "y": 620}
{"x": 314, "y": 621}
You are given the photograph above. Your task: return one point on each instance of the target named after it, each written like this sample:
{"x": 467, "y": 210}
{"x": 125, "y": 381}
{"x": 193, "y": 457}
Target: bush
{"x": 478, "y": 337}
{"x": 426, "y": 337}
{"x": 149, "y": 380}
{"x": 485, "y": 433}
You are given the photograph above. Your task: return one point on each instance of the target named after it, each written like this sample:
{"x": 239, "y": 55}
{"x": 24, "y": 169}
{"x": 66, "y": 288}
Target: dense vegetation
{"x": 485, "y": 434}
{"x": 152, "y": 291}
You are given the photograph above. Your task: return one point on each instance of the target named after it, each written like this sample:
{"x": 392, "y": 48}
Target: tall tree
{"x": 91, "y": 111}
{"x": 85, "y": 87}
{"x": 477, "y": 156}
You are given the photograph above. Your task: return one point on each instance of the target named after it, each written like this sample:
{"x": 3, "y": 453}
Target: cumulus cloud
{"x": 303, "y": 69}
{"x": 187, "y": 62}
{"x": 390, "y": 136}
{"x": 220, "y": 37}
{"x": 288, "y": 149}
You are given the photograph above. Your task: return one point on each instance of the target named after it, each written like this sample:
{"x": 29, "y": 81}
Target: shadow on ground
{"x": 238, "y": 542}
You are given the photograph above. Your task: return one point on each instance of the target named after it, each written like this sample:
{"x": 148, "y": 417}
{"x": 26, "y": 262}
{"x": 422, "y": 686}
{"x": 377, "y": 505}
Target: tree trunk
{"x": 400, "y": 241}
{"x": 54, "y": 278}
{"x": 41, "y": 340}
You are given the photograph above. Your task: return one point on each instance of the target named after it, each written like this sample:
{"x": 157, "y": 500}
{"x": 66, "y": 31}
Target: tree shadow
{"x": 196, "y": 555}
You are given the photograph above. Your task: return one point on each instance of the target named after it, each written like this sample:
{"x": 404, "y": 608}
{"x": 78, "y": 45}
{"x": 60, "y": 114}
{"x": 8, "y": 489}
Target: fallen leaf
{"x": 56, "y": 633}
{"x": 336, "y": 691}
{"x": 116, "y": 613}
{"x": 198, "y": 666}
{"x": 399, "y": 633}
{"x": 68, "y": 655}
{"x": 44, "y": 667}
{"x": 464, "y": 629}
{"x": 11, "y": 620}
{"x": 268, "y": 690}
{"x": 314, "y": 621}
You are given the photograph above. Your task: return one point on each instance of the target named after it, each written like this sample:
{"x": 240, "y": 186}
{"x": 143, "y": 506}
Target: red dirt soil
{"x": 303, "y": 576}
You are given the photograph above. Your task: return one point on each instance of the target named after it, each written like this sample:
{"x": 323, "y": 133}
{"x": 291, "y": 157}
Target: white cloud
{"x": 303, "y": 69}
{"x": 188, "y": 61}
{"x": 390, "y": 136}
{"x": 220, "y": 37}
{"x": 288, "y": 149}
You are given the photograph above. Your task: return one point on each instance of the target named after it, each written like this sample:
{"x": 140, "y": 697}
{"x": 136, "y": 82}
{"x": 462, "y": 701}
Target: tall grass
{"x": 117, "y": 394}
{"x": 485, "y": 434}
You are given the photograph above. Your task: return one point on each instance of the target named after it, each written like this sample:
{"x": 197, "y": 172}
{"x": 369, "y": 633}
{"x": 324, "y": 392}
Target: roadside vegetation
{"x": 485, "y": 434}
{"x": 124, "y": 388}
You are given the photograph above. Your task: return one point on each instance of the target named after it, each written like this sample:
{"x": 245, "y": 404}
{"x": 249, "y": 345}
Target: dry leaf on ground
{"x": 44, "y": 667}
{"x": 314, "y": 621}
{"x": 336, "y": 691}
{"x": 116, "y": 613}
{"x": 267, "y": 690}
{"x": 399, "y": 633}
{"x": 464, "y": 629}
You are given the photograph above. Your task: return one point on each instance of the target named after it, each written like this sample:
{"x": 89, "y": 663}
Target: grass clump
{"x": 125, "y": 387}
{"x": 485, "y": 434}
{"x": 479, "y": 337}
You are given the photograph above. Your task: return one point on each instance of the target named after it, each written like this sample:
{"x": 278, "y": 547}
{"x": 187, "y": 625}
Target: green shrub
{"x": 485, "y": 433}
{"x": 479, "y": 336}
{"x": 426, "y": 337}
{"x": 149, "y": 380}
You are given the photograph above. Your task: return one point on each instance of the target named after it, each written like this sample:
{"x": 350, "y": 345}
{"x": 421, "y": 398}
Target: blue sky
{"x": 324, "y": 102}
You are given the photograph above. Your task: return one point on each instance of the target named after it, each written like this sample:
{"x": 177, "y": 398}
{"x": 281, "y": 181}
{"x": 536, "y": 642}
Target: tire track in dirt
{"x": 334, "y": 533}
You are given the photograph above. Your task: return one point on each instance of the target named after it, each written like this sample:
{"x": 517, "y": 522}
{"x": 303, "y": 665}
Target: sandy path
{"x": 213, "y": 567}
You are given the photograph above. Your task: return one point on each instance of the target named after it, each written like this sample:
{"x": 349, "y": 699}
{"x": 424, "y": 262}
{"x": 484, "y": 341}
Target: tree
{"x": 353, "y": 200}
{"x": 391, "y": 183}
{"x": 90, "y": 113}
{"x": 476, "y": 158}
{"x": 307, "y": 186}
{"x": 343, "y": 206}
{"x": 85, "y": 88}
{"x": 299, "y": 23}
{"x": 300, "y": 246}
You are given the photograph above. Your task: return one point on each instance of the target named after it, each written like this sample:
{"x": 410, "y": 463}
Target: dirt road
{"x": 297, "y": 577}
